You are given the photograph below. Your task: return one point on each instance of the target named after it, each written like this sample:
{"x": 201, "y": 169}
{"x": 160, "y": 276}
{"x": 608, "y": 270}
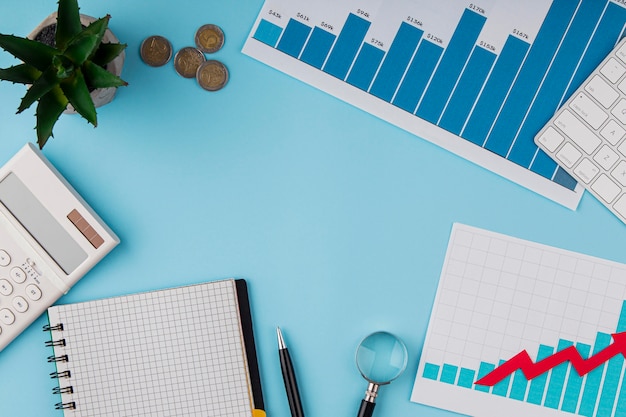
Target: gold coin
{"x": 187, "y": 61}
{"x": 212, "y": 75}
{"x": 209, "y": 38}
{"x": 156, "y": 51}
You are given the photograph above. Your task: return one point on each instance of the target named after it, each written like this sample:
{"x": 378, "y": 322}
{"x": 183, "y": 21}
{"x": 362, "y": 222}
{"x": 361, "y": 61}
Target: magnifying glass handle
{"x": 367, "y": 409}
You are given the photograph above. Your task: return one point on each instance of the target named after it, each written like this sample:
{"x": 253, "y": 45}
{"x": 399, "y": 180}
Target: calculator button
{"x": 20, "y": 304}
{"x": 5, "y": 287}
{"x": 613, "y": 70}
{"x": 7, "y": 316}
{"x": 33, "y": 292}
{"x": 5, "y": 258}
{"x": 18, "y": 275}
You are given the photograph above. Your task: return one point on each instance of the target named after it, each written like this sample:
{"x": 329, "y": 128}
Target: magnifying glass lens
{"x": 381, "y": 357}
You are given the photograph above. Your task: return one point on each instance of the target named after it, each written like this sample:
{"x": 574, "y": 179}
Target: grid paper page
{"x": 174, "y": 352}
{"x": 500, "y": 295}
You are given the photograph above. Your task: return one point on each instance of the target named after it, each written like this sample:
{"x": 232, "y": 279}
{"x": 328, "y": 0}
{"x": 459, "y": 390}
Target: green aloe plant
{"x": 63, "y": 74}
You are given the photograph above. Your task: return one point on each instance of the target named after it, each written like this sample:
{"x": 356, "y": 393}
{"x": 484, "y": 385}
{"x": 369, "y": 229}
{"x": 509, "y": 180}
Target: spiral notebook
{"x": 186, "y": 351}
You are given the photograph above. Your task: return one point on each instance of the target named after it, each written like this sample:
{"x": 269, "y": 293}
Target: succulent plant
{"x": 64, "y": 73}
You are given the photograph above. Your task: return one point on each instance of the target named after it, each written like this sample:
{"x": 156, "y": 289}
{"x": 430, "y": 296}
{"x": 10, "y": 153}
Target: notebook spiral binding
{"x": 65, "y": 406}
{"x": 71, "y": 405}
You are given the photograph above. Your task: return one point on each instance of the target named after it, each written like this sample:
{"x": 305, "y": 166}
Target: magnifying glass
{"x": 381, "y": 357}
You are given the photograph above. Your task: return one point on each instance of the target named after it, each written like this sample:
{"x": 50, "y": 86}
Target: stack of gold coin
{"x": 190, "y": 62}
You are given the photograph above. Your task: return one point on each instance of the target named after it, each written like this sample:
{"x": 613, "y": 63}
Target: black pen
{"x": 289, "y": 376}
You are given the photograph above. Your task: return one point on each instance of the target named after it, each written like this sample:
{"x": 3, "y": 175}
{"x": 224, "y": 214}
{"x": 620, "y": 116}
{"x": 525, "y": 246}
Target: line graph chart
{"x": 522, "y": 362}
{"x": 519, "y": 328}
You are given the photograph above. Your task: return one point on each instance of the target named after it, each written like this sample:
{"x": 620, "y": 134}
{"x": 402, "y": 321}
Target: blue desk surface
{"x": 338, "y": 220}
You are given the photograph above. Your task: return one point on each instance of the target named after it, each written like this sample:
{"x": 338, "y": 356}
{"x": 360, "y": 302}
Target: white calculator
{"x": 49, "y": 239}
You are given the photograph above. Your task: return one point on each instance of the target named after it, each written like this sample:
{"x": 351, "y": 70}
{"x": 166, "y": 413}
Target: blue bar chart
{"x": 492, "y": 89}
{"x": 600, "y": 393}
{"x": 500, "y": 296}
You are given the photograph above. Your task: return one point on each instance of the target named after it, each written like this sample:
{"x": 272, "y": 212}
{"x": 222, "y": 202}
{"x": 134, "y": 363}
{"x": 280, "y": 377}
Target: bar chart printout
{"x": 499, "y": 296}
{"x": 479, "y": 79}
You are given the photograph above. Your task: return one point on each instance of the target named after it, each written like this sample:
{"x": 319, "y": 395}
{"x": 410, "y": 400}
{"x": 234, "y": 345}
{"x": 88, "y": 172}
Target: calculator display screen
{"x": 40, "y": 223}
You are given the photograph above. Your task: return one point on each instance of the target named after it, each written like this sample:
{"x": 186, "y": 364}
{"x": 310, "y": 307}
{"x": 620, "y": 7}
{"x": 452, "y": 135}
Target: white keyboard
{"x": 586, "y": 135}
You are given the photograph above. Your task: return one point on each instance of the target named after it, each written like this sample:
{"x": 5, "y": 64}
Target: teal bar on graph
{"x": 609, "y": 387}
{"x": 448, "y": 374}
{"x": 431, "y": 371}
{"x": 501, "y": 389}
{"x": 268, "y": 33}
{"x": 466, "y": 378}
{"x": 538, "y": 384}
{"x": 574, "y": 383}
{"x": 483, "y": 370}
{"x": 557, "y": 379}
{"x": 519, "y": 387}
{"x": 594, "y": 378}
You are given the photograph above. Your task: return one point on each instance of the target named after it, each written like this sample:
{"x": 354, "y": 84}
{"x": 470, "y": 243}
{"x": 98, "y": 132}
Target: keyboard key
{"x": 613, "y": 132}
{"x": 551, "y": 139}
{"x": 606, "y": 189}
{"x": 602, "y": 91}
{"x": 569, "y": 155}
{"x": 622, "y": 86}
{"x": 577, "y": 131}
{"x": 606, "y": 157}
{"x": 619, "y": 173}
{"x": 620, "y": 206}
{"x": 619, "y": 111}
{"x": 621, "y": 53}
{"x": 589, "y": 111}
{"x": 586, "y": 171}
{"x": 613, "y": 70}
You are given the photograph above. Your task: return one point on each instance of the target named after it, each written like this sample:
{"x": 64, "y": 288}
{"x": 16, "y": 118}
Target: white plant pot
{"x": 100, "y": 96}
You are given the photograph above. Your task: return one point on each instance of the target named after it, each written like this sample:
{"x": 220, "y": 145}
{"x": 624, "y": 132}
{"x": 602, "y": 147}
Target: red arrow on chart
{"x": 532, "y": 370}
